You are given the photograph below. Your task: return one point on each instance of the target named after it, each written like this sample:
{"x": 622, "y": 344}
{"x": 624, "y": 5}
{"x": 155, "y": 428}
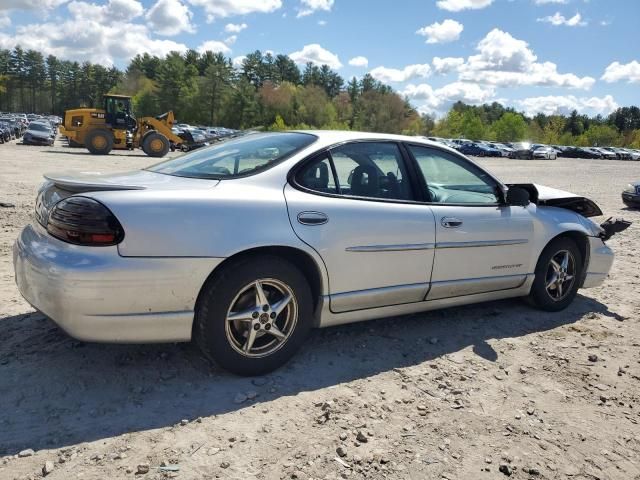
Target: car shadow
{"x": 57, "y": 391}
{"x": 86, "y": 152}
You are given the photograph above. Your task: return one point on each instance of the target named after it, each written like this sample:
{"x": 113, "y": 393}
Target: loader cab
{"x": 118, "y": 112}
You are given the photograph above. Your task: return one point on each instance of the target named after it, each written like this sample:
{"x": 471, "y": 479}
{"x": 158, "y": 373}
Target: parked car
{"x": 546, "y": 153}
{"x": 631, "y": 195}
{"x": 606, "y": 154}
{"x": 505, "y": 150}
{"x": 38, "y": 134}
{"x": 631, "y": 154}
{"x": 522, "y": 150}
{"x": 478, "y": 150}
{"x": 248, "y": 244}
{"x": 5, "y": 132}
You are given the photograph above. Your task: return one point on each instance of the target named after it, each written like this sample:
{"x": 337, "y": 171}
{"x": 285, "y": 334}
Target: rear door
{"x": 355, "y": 206}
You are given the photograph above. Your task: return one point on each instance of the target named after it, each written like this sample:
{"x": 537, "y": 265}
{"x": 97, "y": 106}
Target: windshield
{"x": 237, "y": 157}
{"x": 38, "y": 127}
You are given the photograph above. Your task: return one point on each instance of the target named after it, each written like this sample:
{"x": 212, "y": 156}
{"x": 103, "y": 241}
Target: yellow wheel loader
{"x": 115, "y": 127}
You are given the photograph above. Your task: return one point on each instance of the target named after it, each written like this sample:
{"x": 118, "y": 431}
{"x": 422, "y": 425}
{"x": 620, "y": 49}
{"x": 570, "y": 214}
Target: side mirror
{"x": 517, "y": 196}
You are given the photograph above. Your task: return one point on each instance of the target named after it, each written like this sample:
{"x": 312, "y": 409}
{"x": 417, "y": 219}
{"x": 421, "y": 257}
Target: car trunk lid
{"x": 59, "y": 186}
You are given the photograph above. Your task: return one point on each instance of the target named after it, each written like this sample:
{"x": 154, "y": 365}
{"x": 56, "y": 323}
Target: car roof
{"x": 329, "y": 137}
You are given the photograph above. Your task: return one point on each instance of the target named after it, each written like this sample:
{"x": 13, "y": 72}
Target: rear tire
{"x": 556, "y": 283}
{"x": 155, "y": 144}
{"x": 99, "y": 141}
{"x": 233, "y": 292}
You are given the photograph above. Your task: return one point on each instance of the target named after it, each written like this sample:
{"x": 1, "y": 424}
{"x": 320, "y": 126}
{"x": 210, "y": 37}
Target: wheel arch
{"x": 581, "y": 239}
{"x": 308, "y": 265}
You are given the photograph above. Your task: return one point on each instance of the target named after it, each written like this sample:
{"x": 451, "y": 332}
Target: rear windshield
{"x": 236, "y": 157}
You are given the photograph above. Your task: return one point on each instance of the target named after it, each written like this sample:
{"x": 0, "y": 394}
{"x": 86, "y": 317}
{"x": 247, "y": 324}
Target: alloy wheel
{"x": 561, "y": 273}
{"x": 261, "y": 318}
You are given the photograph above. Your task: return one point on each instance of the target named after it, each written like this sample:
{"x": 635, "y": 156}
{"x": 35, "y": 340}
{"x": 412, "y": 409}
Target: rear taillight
{"x": 84, "y": 221}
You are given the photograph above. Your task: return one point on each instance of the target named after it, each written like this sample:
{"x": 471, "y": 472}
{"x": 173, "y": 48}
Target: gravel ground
{"x": 484, "y": 391}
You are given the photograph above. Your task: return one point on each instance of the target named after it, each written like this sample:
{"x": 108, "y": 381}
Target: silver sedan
{"x": 247, "y": 245}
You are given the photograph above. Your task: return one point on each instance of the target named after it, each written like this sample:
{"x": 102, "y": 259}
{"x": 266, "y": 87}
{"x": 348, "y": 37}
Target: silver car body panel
{"x": 374, "y": 258}
{"x": 96, "y": 295}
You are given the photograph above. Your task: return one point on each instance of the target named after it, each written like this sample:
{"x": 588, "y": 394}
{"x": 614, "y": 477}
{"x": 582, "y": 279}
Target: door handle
{"x": 450, "y": 222}
{"x": 312, "y": 218}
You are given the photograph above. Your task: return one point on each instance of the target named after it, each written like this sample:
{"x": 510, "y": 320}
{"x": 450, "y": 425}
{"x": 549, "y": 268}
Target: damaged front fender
{"x": 542, "y": 195}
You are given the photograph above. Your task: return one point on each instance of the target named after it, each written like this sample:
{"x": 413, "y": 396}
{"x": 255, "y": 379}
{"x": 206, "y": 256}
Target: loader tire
{"x": 99, "y": 141}
{"x": 155, "y": 144}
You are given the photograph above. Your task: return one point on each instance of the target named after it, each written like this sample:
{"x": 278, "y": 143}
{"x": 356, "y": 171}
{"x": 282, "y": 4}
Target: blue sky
{"x": 535, "y": 55}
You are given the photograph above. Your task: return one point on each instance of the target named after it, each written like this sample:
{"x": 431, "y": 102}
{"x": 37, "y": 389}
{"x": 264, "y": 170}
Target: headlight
{"x": 630, "y": 189}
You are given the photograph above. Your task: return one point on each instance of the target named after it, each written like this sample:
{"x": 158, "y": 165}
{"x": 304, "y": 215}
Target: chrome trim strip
{"x": 481, "y": 243}
{"x": 430, "y": 246}
{"x": 378, "y": 297}
{"x": 392, "y": 248}
{"x": 472, "y": 286}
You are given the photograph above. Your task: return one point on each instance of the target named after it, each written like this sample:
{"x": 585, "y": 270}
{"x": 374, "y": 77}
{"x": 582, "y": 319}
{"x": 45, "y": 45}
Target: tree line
{"x": 495, "y": 122}
{"x": 272, "y": 92}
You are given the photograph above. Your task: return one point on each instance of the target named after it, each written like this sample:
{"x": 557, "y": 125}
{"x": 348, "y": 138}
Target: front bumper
{"x": 631, "y": 199}
{"x": 37, "y": 140}
{"x": 600, "y": 261}
{"x": 94, "y": 294}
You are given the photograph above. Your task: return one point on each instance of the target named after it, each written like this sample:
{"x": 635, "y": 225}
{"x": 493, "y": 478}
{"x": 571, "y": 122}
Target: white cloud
{"x": 458, "y": 5}
{"x": 564, "y": 105}
{"x": 557, "y": 19}
{"x": 439, "y": 100}
{"x": 544, "y": 2}
{"x": 506, "y": 61}
{"x": 445, "y": 65}
{"x": 234, "y": 27}
{"x": 86, "y": 39}
{"x": 317, "y": 55}
{"x": 446, "y": 31}
{"x": 113, "y": 12}
{"x": 237, "y": 61}
{"x": 170, "y": 17}
{"x": 5, "y": 20}
{"x": 228, "y": 8}
{"x": 389, "y": 75}
{"x": 322, "y": 23}
{"x": 213, "y": 46}
{"x": 30, "y": 4}
{"x": 617, "y": 72}
{"x": 359, "y": 61}
{"x": 231, "y": 39}
{"x": 307, "y": 7}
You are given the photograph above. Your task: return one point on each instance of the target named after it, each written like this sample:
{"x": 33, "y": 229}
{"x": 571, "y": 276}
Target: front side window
{"x": 236, "y": 157}
{"x": 453, "y": 180}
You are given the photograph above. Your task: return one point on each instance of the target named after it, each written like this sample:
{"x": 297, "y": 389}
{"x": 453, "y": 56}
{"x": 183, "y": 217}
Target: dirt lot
{"x": 468, "y": 393}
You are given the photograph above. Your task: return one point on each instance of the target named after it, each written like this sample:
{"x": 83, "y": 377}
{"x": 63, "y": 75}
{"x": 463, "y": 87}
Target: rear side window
{"x": 318, "y": 176}
{"x": 361, "y": 169}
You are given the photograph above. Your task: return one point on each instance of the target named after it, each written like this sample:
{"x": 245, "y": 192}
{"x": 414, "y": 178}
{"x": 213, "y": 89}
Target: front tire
{"x": 155, "y": 144}
{"x": 557, "y": 275}
{"x": 254, "y": 315}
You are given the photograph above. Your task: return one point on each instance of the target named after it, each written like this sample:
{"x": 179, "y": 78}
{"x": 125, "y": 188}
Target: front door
{"x": 482, "y": 245}
{"x": 354, "y": 205}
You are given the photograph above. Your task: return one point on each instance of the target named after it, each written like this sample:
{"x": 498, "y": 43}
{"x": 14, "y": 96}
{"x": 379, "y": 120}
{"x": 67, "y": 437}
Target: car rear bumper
{"x": 600, "y": 261}
{"x": 94, "y": 294}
